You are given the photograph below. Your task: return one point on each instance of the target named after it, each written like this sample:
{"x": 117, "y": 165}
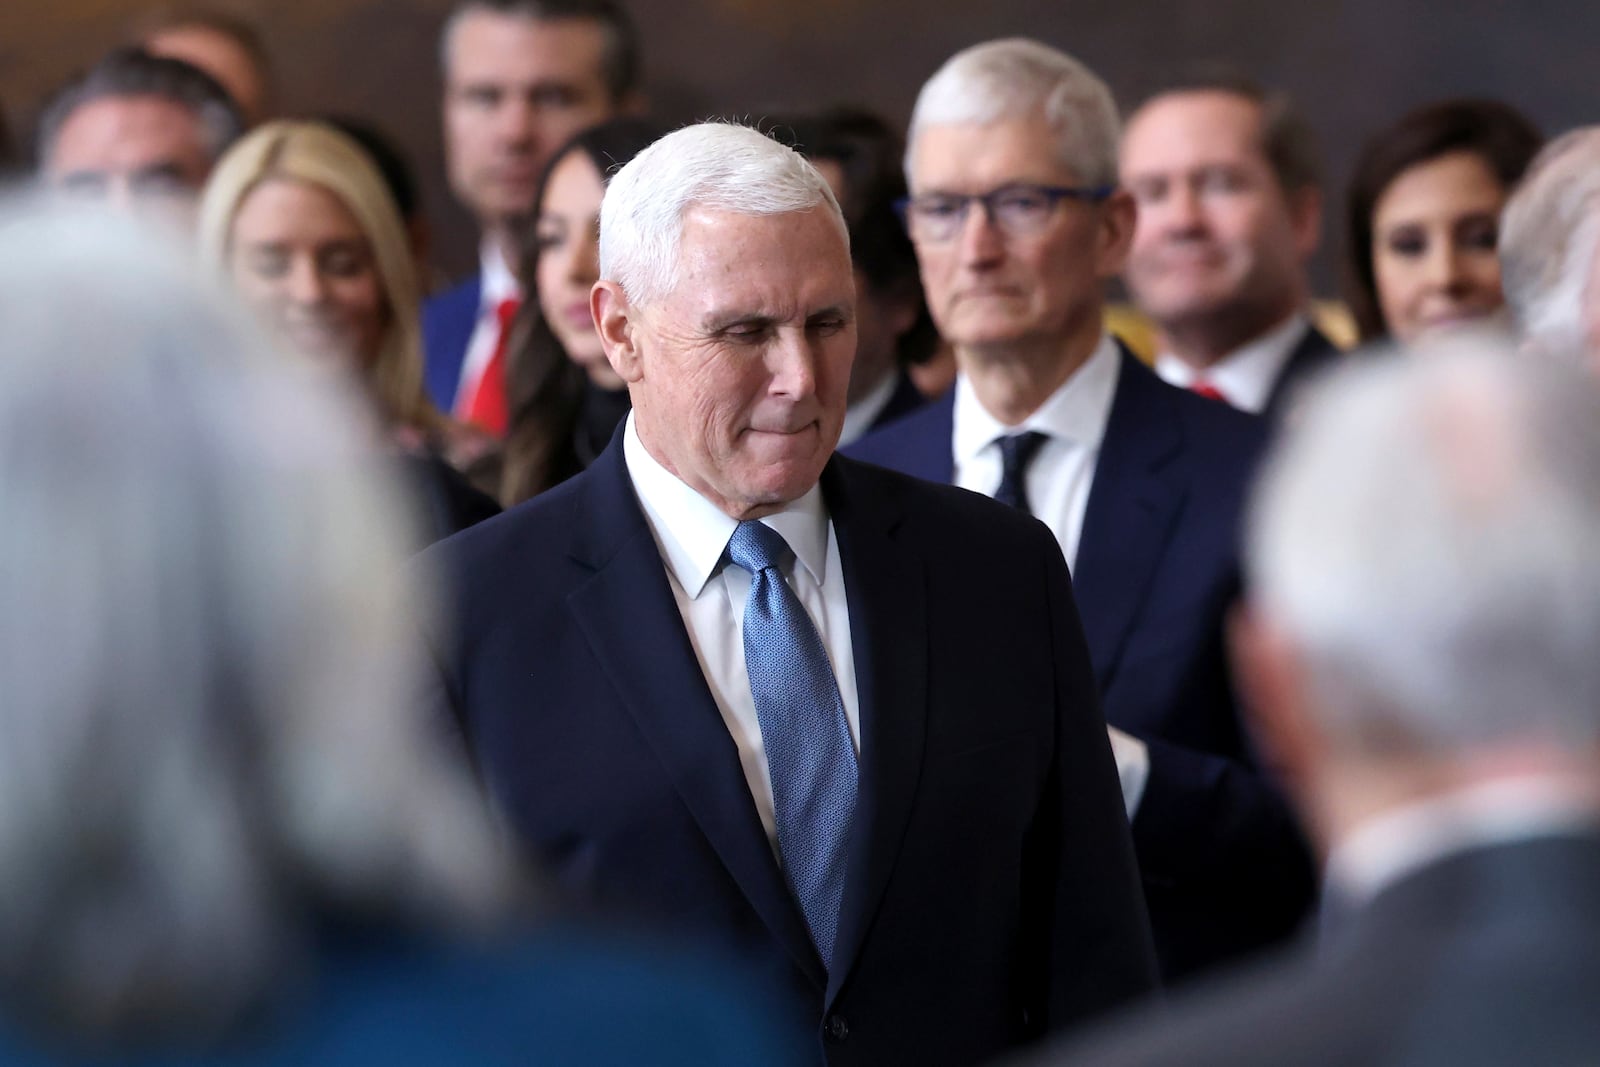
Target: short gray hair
{"x": 1014, "y": 78}
{"x": 1549, "y": 237}
{"x": 204, "y": 651}
{"x": 714, "y": 165}
{"x": 1426, "y": 537}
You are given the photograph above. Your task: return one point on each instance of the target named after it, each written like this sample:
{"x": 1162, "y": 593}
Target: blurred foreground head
{"x": 208, "y": 754}
{"x": 1426, "y": 583}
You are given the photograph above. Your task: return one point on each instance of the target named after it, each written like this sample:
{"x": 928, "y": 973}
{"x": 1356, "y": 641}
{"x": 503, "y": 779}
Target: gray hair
{"x": 133, "y": 72}
{"x": 714, "y": 165}
{"x": 203, "y": 651}
{"x": 1549, "y": 237}
{"x": 1014, "y": 78}
{"x": 1426, "y": 536}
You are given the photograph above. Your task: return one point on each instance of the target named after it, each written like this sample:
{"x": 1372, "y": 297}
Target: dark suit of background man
{"x": 1425, "y": 610}
{"x": 520, "y": 78}
{"x": 1226, "y": 176}
{"x": 1017, "y": 224}
{"x": 730, "y": 682}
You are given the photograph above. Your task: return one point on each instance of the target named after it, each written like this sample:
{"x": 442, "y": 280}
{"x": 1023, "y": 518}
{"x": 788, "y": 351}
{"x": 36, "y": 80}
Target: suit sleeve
{"x": 1100, "y": 946}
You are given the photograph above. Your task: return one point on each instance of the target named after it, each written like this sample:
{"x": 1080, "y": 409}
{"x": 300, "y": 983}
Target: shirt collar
{"x": 1247, "y": 374}
{"x": 498, "y": 283}
{"x": 692, "y": 533}
{"x": 1077, "y": 411}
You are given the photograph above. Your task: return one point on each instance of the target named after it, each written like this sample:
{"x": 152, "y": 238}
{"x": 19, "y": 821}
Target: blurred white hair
{"x": 1015, "y": 78}
{"x": 1426, "y": 536}
{"x": 1549, "y": 237}
{"x": 717, "y": 166}
{"x": 202, "y": 653}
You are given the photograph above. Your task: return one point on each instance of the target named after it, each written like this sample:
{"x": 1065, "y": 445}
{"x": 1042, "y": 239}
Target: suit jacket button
{"x": 838, "y": 1028}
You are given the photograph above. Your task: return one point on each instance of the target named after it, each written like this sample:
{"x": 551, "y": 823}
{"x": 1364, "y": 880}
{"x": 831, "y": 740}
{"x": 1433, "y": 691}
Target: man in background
{"x": 1420, "y": 648}
{"x": 138, "y": 132}
{"x": 227, "y": 48}
{"x": 1227, "y": 180}
{"x": 520, "y": 78}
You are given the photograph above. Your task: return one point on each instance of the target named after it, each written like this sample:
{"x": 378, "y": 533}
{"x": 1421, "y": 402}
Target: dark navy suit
{"x": 448, "y": 320}
{"x": 1225, "y": 867}
{"x": 991, "y": 892}
{"x": 1313, "y": 355}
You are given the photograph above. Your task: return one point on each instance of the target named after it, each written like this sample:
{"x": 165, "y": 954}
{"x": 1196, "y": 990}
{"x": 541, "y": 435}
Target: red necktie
{"x": 1201, "y": 387}
{"x": 487, "y": 407}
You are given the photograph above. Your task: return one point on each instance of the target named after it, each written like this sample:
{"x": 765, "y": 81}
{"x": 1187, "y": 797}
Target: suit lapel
{"x": 1314, "y": 353}
{"x": 629, "y": 617}
{"x": 888, "y": 634}
{"x": 1133, "y": 504}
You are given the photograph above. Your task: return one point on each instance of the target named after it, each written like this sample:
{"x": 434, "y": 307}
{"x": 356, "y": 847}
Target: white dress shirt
{"x": 498, "y": 284}
{"x": 1245, "y": 376}
{"x": 1388, "y": 847}
{"x": 1073, "y": 420}
{"x": 692, "y": 535}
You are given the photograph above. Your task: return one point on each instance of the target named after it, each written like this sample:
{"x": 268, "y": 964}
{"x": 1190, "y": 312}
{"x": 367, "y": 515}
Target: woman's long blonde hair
{"x": 319, "y": 155}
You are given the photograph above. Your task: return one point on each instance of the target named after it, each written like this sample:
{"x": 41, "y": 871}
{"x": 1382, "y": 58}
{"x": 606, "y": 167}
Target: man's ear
{"x": 1305, "y": 215}
{"x": 1272, "y": 687}
{"x": 1118, "y": 216}
{"x": 615, "y": 318}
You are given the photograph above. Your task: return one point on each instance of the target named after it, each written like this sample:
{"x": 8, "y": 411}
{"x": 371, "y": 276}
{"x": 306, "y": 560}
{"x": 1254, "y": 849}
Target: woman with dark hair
{"x": 564, "y": 399}
{"x": 1423, "y": 215}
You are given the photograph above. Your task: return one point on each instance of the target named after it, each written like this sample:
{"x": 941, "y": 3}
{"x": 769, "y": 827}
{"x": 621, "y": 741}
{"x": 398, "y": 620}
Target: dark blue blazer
{"x": 448, "y": 319}
{"x": 1314, "y": 355}
{"x": 1225, "y": 867}
{"x": 991, "y": 892}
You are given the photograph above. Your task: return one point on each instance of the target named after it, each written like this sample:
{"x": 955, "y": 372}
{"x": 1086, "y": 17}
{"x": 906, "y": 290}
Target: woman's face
{"x": 1434, "y": 231}
{"x": 568, "y": 232}
{"x": 299, "y": 258}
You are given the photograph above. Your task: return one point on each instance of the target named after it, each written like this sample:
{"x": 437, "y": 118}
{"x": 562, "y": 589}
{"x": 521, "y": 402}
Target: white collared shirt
{"x": 1246, "y": 375}
{"x": 859, "y": 417}
{"x": 1058, "y": 481}
{"x": 1073, "y": 419}
{"x": 498, "y": 284}
{"x": 692, "y": 534}
{"x": 1386, "y": 848}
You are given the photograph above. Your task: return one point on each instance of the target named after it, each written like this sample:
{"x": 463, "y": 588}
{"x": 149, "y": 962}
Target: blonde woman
{"x": 298, "y": 218}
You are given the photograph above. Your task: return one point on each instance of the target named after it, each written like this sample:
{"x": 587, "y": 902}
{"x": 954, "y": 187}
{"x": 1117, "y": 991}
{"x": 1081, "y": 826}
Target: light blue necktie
{"x": 803, "y": 726}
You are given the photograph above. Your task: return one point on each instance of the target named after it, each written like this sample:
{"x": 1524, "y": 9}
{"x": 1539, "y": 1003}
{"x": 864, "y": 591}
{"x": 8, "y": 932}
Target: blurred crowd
{"x": 782, "y": 607}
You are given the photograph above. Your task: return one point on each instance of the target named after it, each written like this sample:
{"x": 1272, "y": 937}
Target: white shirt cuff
{"x": 1133, "y": 767}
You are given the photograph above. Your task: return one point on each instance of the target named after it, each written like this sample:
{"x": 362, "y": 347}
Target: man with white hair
{"x": 1018, "y": 222}
{"x": 1549, "y": 240}
{"x": 731, "y": 682}
{"x": 1425, "y": 610}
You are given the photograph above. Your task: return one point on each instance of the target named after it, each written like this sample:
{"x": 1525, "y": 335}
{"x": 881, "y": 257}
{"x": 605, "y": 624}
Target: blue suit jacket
{"x": 991, "y": 891}
{"x": 448, "y": 319}
{"x": 1225, "y": 867}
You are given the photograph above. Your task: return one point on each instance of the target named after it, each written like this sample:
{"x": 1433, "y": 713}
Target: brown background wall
{"x": 1353, "y": 64}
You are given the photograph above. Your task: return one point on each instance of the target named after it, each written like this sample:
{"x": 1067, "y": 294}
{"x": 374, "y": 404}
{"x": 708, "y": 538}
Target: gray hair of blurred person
{"x": 208, "y": 746}
{"x": 619, "y": 62}
{"x": 716, "y": 166}
{"x": 1015, "y": 78}
{"x": 1549, "y": 238}
{"x": 1425, "y": 539}
{"x": 133, "y": 72}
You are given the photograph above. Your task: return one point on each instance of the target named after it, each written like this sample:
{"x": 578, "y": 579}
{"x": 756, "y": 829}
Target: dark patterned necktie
{"x": 1016, "y": 452}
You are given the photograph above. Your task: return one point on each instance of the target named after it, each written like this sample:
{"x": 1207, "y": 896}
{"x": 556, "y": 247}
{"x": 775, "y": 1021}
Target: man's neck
{"x": 1014, "y": 381}
{"x": 1202, "y": 340}
{"x": 497, "y": 240}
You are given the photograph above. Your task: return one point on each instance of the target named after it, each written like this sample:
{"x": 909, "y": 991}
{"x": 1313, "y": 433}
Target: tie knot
{"x": 756, "y": 546}
{"x": 1017, "y": 449}
{"x": 505, "y": 311}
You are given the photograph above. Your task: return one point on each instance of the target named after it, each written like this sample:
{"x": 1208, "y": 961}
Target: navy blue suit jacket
{"x": 1225, "y": 867}
{"x": 991, "y": 892}
{"x": 448, "y": 319}
{"x": 1310, "y": 358}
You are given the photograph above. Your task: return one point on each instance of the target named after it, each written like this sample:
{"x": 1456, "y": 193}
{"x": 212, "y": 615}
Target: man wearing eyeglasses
{"x": 1018, "y": 223}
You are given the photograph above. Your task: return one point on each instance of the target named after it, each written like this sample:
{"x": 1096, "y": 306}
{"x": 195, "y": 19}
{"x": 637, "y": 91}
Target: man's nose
{"x": 793, "y": 362}
{"x": 980, "y": 238}
{"x": 515, "y": 120}
{"x": 1178, "y": 212}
